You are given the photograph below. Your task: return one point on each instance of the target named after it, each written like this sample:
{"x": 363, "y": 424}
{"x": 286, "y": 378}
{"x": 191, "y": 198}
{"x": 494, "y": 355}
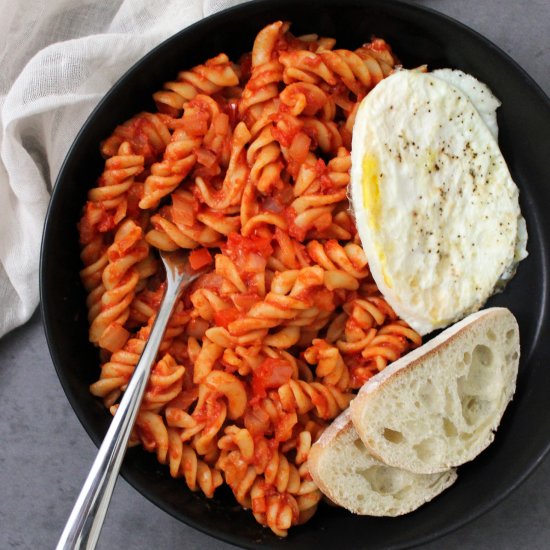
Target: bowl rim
{"x": 46, "y": 307}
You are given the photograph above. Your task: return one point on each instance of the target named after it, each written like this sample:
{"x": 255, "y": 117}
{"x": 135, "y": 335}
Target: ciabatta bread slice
{"x": 438, "y": 406}
{"x": 348, "y": 475}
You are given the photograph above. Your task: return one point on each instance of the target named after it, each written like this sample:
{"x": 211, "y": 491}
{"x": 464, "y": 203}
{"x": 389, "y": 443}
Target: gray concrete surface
{"x": 45, "y": 453}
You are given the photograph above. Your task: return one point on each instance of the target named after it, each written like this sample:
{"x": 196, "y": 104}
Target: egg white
{"x": 477, "y": 92}
{"x": 436, "y": 208}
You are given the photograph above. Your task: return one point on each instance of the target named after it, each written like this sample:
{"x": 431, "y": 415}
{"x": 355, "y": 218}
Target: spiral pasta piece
{"x": 320, "y": 193}
{"x": 273, "y": 509}
{"x": 198, "y": 474}
{"x": 261, "y": 91}
{"x": 165, "y": 383}
{"x": 169, "y": 236}
{"x": 167, "y": 175}
{"x": 327, "y": 401}
{"x": 359, "y": 71}
{"x": 147, "y": 133}
{"x": 94, "y": 257}
{"x": 307, "y": 497}
{"x": 264, "y": 158}
{"x": 238, "y": 474}
{"x": 330, "y": 366}
{"x": 116, "y": 373}
{"x": 183, "y": 461}
{"x": 111, "y": 193}
{"x": 120, "y": 278}
{"x": 236, "y": 176}
{"x": 302, "y": 98}
{"x": 211, "y": 77}
{"x": 332, "y": 256}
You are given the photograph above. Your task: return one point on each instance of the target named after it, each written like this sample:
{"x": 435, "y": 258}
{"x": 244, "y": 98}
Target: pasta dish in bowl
{"x": 248, "y": 165}
{"x": 243, "y": 157}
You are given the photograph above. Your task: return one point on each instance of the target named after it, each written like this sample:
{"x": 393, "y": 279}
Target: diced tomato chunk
{"x": 243, "y": 302}
{"x": 238, "y": 247}
{"x": 195, "y": 122}
{"x": 226, "y": 316}
{"x": 272, "y": 373}
{"x": 200, "y": 258}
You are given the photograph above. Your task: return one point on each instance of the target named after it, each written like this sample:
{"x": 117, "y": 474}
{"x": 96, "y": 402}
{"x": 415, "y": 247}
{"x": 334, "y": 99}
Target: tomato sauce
{"x": 272, "y": 373}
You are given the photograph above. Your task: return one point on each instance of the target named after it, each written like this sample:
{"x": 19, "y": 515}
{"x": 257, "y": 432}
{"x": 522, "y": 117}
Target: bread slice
{"x": 438, "y": 406}
{"x": 348, "y": 475}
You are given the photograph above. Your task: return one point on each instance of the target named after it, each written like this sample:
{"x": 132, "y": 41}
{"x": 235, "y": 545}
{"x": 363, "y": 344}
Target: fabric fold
{"x": 58, "y": 60}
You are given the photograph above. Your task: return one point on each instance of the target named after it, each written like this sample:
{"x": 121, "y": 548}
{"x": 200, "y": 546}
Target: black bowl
{"x": 418, "y": 36}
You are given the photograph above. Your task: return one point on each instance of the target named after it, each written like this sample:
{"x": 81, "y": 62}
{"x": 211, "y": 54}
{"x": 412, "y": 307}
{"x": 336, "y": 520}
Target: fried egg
{"x": 435, "y": 205}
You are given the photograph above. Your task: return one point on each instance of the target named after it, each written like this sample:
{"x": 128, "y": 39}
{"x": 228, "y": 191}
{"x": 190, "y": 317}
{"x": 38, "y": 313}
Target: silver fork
{"x": 84, "y": 524}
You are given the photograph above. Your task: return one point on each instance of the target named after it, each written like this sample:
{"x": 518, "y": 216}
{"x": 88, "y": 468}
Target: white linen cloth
{"x": 57, "y": 59}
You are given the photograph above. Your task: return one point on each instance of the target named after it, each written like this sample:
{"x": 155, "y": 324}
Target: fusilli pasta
{"x": 247, "y": 164}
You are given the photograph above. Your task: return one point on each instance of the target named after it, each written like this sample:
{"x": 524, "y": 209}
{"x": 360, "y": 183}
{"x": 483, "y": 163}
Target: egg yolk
{"x": 371, "y": 201}
{"x": 371, "y": 190}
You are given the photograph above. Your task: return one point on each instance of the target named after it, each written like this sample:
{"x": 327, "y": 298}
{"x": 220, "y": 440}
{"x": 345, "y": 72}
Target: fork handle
{"x": 84, "y": 524}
